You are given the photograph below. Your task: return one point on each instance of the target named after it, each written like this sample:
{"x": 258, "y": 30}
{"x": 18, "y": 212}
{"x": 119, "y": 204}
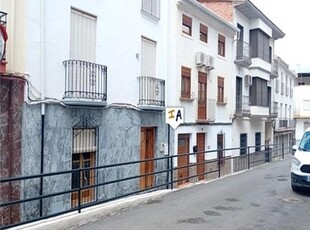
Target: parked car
{"x": 300, "y": 168}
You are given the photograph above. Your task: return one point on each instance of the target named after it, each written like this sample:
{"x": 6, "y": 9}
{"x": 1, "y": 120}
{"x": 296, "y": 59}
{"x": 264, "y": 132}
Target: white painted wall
{"x": 119, "y": 29}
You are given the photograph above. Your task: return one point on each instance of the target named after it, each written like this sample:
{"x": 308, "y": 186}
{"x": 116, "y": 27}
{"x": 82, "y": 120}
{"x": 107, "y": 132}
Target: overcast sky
{"x": 293, "y": 18}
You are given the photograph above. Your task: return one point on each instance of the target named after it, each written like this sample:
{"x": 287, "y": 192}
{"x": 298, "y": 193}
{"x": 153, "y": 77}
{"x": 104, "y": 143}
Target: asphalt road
{"x": 258, "y": 199}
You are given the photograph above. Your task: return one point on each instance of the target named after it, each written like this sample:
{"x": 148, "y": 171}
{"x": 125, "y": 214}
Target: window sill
{"x": 151, "y": 17}
{"x": 221, "y": 103}
{"x": 187, "y": 99}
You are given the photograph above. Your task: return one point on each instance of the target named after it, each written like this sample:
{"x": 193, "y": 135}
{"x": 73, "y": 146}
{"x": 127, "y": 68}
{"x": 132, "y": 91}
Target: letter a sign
{"x": 174, "y": 117}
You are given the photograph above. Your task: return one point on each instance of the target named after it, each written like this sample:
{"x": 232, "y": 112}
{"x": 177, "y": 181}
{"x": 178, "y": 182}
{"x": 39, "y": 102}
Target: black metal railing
{"x": 85, "y": 80}
{"x": 151, "y": 91}
{"x": 274, "y": 68}
{"x": 128, "y": 183}
{"x": 274, "y": 109}
{"x": 243, "y": 56}
{"x": 243, "y": 105}
{"x": 283, "y": 122}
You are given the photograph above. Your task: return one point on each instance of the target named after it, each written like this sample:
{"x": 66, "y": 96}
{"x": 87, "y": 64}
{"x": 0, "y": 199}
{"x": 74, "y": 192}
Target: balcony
{"x": 285, "y": 123}
{"x": 151, "y": 93}
{"x": 243, "y": 106}
{"x": 210, "y": 110}
{"x": 85, "y": 83}
{"x": 243, "y": 57}
{"x": 274, "y": 69}
{"x": 274, "y": 110}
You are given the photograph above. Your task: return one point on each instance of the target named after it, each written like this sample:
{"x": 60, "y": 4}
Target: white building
{"x": 302, "y": 104}
{"x": 283, "y": 104}
{"x": 199, "y": 80}
{"x": 252, "y": 83}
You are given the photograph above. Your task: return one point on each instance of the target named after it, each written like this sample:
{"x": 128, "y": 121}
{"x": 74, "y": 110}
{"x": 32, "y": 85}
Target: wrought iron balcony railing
{"x": 243, "y": 106}
{"x": 85, "y": 83}
{"x": 211, "y": 105}
{"x": 243, "y": 57}
{"x": 274, "y": 109}
{"x": 274, "y": 69}
{"x": 151, "y": 93}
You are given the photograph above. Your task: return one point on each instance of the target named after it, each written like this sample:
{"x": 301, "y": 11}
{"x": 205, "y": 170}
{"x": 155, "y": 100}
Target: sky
{"x": 293, "y": 18}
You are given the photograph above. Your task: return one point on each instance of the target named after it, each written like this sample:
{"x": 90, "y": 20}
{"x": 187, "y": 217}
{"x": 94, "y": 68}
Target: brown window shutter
{"x": 221, "y": 38}
{"x": 220, "y": 82}
{"x": 202, "y": 77}
{"x": 187, "y": 21}
{"x": 203, "y": 29}
{"x": 186, "y": 72}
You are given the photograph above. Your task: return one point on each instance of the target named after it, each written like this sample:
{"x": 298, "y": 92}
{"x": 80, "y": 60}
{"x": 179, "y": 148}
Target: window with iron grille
{"x": 83, "y": 157}
{"x": 220, "y": 89}
{"x": 221, "y": 45}
{"x": 186, "y": 82}
{"x": 187, "y": 25}
{"x": 151, "y": 7}
{"x": 203, "y": 33}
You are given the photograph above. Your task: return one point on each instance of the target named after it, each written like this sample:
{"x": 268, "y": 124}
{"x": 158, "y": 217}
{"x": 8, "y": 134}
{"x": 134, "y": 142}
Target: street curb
{"x": 73, "y": 220}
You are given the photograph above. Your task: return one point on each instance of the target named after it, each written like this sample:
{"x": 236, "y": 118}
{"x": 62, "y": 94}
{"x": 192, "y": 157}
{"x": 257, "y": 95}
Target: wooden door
{"x": 147, "y": 152}
{"x": 183, "y": 148}
{"x": 202, "y": 96}
{"x": 86, "y": 178}
{"x": 200, "y": 155}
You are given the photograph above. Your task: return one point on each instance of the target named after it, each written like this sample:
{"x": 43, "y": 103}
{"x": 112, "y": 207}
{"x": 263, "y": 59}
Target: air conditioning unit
{"x": 209, "y": 62}
{"x": 200, "y": 59}
{"x": 248, "y": 80}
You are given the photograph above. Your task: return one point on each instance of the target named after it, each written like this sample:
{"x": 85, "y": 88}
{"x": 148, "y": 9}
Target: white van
{"x": 300, "y": 168}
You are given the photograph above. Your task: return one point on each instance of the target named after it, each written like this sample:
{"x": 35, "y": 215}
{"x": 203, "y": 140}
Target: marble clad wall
{"x": 118, "y": 141}
{"x": 11, "y": 96}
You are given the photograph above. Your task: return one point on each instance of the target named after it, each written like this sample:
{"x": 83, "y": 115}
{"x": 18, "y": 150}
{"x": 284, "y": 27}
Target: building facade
{"x": 254, "y": 105}
{"x": 302, "y": 109}
{"x": 86, "y": 84}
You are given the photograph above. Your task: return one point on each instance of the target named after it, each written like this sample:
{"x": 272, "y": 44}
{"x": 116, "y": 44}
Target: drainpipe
{"x": 42, "y": 74}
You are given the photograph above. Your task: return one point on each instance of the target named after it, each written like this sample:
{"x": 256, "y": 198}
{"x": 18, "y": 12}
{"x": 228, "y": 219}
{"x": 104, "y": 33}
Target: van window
{"x": 305, "y": 142}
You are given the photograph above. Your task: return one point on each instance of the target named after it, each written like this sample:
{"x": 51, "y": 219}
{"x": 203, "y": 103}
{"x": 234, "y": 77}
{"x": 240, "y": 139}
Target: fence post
{"x": 79, "y": 192}
{"x": 268, "y": 153}
{"x": 219, "y": 164}
{"x": 168, "y": 154}
{"x": 248, "y": 152}
{"x": 282, "y": 150}
{"x": 171, "y": 172}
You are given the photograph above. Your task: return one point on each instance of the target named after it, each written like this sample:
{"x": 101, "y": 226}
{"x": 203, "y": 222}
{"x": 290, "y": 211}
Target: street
{"x": 257, "y": 199}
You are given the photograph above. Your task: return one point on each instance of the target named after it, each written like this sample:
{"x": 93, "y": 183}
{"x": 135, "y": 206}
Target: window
{"x": 277, "y": 85}
{"x": 220, "y": 147}
{"x": 203, "y": 33}
{"x": 186, "y": 83}
{"x": 259, "y": 92}
{"x": 83, "y": 156}
{"x": 221, "y": 45}
{"x": 83, "y": 36}
{"x": 148, "y": 57}
{"x": 258, "y": 141}
{"x": 243, "y": 143}
{"x": 259, "y": 41}
{"x": 187, "y": 25}
{"x": 151, "y": 7}
{"x": 220, "y": 89}
{"x": 202, "y": 95}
